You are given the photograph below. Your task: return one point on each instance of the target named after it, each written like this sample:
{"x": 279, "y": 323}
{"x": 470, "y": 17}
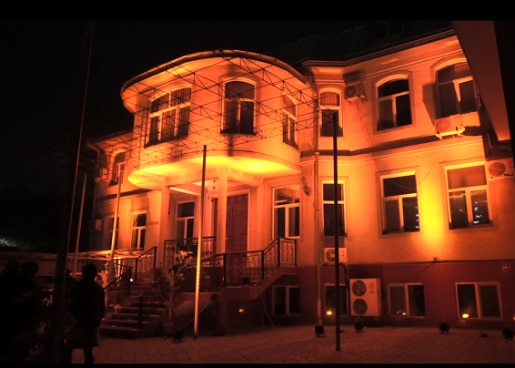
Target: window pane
{"x": 186, "y": 209}
{"x": 294, "y": 295}
{"x": 489, "y": 301}
{"x": 386, "y": 119}
{"x": 293, "y": 223}
{"x": 397, "y": 300}
{"x": 458, "y": 203}
{"x": 479, "y": 207}
{"x": 279, "y": 300}
{"x": 400, "y": 185}
{"x": 466, "y": 177}
{"x": 410, "y": 213}
{"x": 467, "y": 300}
{"x": 417, "y": 305}
{"x": 448, "y": 98}
{"x": 280, "y": 220}
{"x": 247, "y": 117}
{"x": 468, "y": 97}
{"x": 403, "y": 110}
{"x": 393, "y": 221}
{"x": 394, "y": 87}
{"x": 141, "y": 220}
{"x": 330, "y": 299}
{"x": 329, "y": 228}
{"x": 328, "y": 190}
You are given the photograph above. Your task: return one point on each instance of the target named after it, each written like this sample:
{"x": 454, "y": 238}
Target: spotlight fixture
{"x": 444, "y": 327}
{"x": 507, "y": 333}
{"x": 358, "y": 326}
{"x": 319, "y": 331}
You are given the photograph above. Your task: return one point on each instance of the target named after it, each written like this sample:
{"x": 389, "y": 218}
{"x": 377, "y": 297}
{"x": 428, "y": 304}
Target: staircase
{"x": 124, "y": 320}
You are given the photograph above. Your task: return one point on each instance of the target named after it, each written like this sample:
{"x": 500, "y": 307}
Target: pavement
{"x": 300, "y": 345}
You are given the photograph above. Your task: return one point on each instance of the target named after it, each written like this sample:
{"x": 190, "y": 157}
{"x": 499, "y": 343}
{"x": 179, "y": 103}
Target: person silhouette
{"x": 87, "y": 304}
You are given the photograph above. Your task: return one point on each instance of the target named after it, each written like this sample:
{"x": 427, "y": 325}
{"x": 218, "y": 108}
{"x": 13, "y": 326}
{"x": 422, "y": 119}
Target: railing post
{"x": 225, "y": 269}
{"x": 136, "y": 270}
{"x": 279, "y": 252}
{"x": 129, "y": 282}
{"x": 155, "y": 258}
{"x": 262, "y": 265}
{"x": 140, "y": 312}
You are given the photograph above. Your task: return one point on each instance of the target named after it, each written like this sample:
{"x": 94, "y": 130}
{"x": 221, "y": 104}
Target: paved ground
{"x": 299, "y": 344}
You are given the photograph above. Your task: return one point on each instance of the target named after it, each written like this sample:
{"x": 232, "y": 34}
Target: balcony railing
{"x": 237, "y": 268}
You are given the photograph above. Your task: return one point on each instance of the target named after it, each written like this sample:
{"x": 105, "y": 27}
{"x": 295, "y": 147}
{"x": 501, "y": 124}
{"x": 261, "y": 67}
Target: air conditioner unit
{"x": 329, "y": 255}
{"x": 355, "y": 91}
{"x": 449, "y": 125}
{"x": 500, "y": 169}
{"x": 365, "y": 297}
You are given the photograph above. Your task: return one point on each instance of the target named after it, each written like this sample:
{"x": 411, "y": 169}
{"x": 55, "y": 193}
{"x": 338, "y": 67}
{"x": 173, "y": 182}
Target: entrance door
{"x": 236, "y": 229}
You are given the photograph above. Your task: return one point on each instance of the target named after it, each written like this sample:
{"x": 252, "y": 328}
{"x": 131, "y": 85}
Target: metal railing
{"x": 251, "y": 267}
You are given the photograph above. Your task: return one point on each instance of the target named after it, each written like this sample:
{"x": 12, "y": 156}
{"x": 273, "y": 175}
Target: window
{"x": 394, "y": 104}
{"x": 468, "y": 202}
{"x": 117, "y": 169}
{"x": 239, "y": 108}
{"x": 400, "y": 205}
{"x": 287, "y": 211}
{"x": 110, "y": 228}
{"x": 456, "y": 91}
{"x": 139, "y": 223}
{"x": 330, "y": 300}
{"x": 406, "y": 300}
{"x": 286, "y": 300}
{"x": 185, "y": 220}
{"x": 289, "y": 122}
{"x": 170, "y": 116}
{"x": 478, "y": 300}
{"x": 328, "y": 196}
{"x": 330, "y": 108}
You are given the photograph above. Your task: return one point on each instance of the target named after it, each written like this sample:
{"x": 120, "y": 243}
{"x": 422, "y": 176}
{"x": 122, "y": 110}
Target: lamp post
{"x": 336, "y": 223}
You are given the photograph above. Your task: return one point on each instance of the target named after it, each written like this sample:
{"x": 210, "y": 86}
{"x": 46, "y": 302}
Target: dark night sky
{"x": 44, "y": 73}
{"x": 45, "y": 65}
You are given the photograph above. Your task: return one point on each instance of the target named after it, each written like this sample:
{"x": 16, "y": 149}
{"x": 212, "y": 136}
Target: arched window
{"x": 456, "y": 91}
{"x": 330, "y": 110}
{"x": 239, "y": 108}
{"x": 394, "y": 104}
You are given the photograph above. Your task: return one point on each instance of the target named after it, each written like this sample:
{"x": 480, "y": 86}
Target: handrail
{"x": 142, "y": 256}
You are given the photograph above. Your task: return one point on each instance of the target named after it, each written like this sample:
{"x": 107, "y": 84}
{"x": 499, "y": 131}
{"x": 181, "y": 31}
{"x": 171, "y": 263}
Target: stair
{"x": 123, "y": 320}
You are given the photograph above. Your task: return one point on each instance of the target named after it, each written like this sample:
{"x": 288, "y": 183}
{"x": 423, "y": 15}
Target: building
{"x": 242, "y": 150}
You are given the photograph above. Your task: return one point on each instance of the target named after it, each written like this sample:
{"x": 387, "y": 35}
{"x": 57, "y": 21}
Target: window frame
{"x": 328, "y": 109}
{"x": 330, "y": 202}
{"x": 401, "y": 200}
{"x": 458, "y": 80}
{"x": 117, "y": 168}
{"x": 330, "y": 306}
{"x": 292, "y": 307}
{"x": 289, "y": 121}
{"x": 457, "y": 207}
{"x": 478, "y": 307}
{"x": 394, "y": 101}
{"x": 239, "y": 113}
{"x": 408, "y": 300}
{"x": 138, "y": 231}
{"x": 185, "y": 224}
{"x": 286, "y": 216}
{"x": 169, "y": 116}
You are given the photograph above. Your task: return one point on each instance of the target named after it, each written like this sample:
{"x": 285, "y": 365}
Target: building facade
{"x": 385, "y": 163}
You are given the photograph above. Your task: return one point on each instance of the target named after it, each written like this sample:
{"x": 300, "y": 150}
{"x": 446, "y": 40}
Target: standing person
{"x": 88, "y": 309}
